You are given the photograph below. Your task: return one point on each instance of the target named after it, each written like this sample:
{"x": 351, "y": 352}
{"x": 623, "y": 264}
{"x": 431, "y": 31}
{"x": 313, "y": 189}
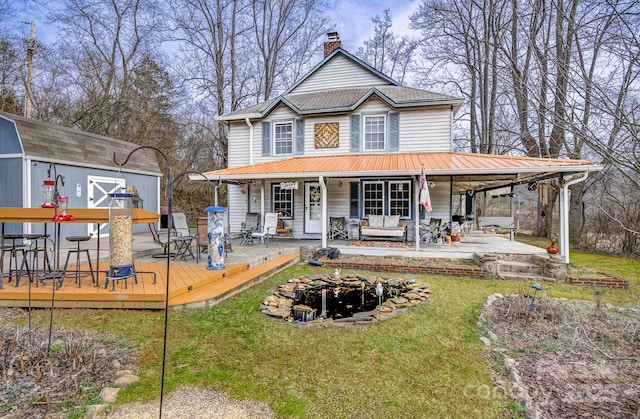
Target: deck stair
{"x": 521, "y": 271}
{"x": 522, "y": 267}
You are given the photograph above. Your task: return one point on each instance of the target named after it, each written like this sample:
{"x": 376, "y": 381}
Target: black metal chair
{"x": 160, "y": 238}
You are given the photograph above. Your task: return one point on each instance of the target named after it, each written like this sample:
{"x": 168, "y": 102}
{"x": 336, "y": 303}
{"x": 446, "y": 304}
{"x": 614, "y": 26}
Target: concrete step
{"x": 520, "y": 267}
{"x": 520, "y": 276}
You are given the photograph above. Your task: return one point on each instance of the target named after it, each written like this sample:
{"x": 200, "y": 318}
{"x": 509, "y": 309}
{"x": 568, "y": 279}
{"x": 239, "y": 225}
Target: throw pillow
{"x": 376, "y": 221}
{"x": 391, "y": 221}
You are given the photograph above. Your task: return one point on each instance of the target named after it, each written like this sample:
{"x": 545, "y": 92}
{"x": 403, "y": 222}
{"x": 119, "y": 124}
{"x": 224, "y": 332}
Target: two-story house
{"x": 346, "y": 140}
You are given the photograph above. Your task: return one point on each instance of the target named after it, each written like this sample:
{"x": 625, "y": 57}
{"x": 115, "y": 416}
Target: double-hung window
{"x": 374, "y": 132}
{"x": 282, "y": 200}
{"x": 283, "y": 138}
{"x": 373, "y": 198}
{"x": 386, "y": 197}
{"x": 400, "y": 198}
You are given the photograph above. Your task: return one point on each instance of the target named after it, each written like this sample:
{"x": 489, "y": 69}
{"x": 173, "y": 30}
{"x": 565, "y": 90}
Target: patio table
{"x": 247, "y": 236}
{"x": 183, "y": 247}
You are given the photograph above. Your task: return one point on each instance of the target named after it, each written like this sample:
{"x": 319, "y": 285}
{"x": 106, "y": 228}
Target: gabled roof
{"x": 344, "y": 100}
{"x": 57, "y": 144}
{"x": 349, "y": 56}
{"x": 456, "y": 166}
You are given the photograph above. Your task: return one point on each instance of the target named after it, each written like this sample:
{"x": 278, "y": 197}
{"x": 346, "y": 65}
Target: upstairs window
{"x": 374, "y": 132}
{"x": 283, "y": 138}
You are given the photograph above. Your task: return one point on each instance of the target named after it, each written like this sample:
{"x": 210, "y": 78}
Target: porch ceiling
{"x": 467, "y": 171}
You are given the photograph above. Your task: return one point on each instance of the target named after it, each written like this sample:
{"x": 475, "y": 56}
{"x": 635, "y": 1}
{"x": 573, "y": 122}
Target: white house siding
{"x": 428, "y": 130}
{"x": 340, "y": 72}
{"x": 238, "y": 148}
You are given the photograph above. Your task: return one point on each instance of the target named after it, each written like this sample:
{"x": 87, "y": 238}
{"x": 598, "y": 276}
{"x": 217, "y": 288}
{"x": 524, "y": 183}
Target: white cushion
{"x": 391, "y": 220}
{"x": 376, "y": 221}
{"x": 383, "y": 232}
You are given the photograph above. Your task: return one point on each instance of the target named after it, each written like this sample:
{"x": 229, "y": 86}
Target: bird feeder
{"x": 215, "y": 236}
{"x": 48, "y": 191}
{"x": 120, "y": 235}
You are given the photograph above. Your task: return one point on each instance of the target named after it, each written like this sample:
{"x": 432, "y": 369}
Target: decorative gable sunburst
{"x": 327, "y": 135}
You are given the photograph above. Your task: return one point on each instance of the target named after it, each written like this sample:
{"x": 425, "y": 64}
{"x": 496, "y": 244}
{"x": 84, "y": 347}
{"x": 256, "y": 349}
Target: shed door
{"x": 98, "y": 197}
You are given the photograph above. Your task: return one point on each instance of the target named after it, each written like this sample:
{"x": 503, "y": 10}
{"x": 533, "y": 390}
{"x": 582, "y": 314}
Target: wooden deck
{"x": 189, "y": 286}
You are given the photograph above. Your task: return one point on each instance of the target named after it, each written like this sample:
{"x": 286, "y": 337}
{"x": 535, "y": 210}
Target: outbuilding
{"x": 80, "y": 163}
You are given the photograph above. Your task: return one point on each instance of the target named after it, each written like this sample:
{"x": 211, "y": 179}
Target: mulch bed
{"x": 575, "y": 359}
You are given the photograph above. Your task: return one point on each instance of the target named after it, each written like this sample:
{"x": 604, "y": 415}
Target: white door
{"x": 312, "y": 208}
{"x": 98, "y": 197}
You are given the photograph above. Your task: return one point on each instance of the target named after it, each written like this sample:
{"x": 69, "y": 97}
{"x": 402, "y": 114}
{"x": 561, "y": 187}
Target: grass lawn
{"x": 425, "y": 363}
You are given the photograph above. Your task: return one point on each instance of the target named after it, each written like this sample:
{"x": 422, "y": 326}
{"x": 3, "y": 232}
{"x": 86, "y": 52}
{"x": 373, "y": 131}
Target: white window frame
{"x": 406, "y": 189}
{"x": 386, "y": 197}
{"x": 382, "y": 199}
{"x": 282, "y": 141}
{"x": 275, "y": 203}
{"x": 365, "y": 143}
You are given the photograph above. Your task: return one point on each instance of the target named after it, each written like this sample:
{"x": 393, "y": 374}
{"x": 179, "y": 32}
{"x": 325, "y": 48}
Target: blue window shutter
{"x": 355, "y": 133}
{"x": 394, "y": 131}
{"x": 299, "y": 136}
{"x": 266, "y": 138}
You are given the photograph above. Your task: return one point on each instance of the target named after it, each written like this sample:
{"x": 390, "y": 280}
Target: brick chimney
{"x": 332, "y": 44}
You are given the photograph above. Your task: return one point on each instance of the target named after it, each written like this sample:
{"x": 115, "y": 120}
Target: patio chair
{"x": 160, "y": 238}
{"x": 180, "y": 225}
{"x": 338, "y": 228}
{"x": 251, "y": 221}
{"x": 269, "y": 229}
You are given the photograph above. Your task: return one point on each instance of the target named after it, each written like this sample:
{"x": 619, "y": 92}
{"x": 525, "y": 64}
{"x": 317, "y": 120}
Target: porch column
{"x": 563, "y": 222}
{"x": 323, "y": 200}
{"x": 262, "y": 209}
{"x": 416, "y": 206}
{"x": 512, "y": 212}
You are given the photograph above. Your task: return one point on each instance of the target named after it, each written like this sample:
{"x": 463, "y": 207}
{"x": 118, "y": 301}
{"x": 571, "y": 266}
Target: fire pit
{"x": 322, "y": 299}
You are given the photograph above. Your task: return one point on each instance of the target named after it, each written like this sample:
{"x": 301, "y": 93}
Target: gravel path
{"x": 192, "y": 403}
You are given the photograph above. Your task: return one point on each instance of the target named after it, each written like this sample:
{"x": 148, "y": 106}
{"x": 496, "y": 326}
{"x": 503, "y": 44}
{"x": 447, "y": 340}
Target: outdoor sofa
{"x": 383, "y": 227}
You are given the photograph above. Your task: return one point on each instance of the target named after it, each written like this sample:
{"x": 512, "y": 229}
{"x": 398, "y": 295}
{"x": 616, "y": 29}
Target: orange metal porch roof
{"x": 402, "y": 164}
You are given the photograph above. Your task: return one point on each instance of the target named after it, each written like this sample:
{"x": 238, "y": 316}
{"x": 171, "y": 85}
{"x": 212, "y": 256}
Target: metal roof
{"x": 48, "y": 142}
{"x": 467, "y": 170}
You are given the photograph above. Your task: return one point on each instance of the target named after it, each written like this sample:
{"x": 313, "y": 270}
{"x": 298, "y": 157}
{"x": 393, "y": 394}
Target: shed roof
{"x": 54, "y": 143}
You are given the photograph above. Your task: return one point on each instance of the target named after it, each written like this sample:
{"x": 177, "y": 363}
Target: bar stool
{"x": 77, "y": 251}
{"x": 34, "y": 250}
{"x": 15, "y": 249}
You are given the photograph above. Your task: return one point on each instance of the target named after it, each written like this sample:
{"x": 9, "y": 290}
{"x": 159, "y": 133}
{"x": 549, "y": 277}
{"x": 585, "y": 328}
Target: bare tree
{"x": 10, "y": 80}
{"x": 386, "y": 51}
{"x": 286, "y": 32}
{"x": 467, "y": 36}
{"x": 104, "y": 41}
